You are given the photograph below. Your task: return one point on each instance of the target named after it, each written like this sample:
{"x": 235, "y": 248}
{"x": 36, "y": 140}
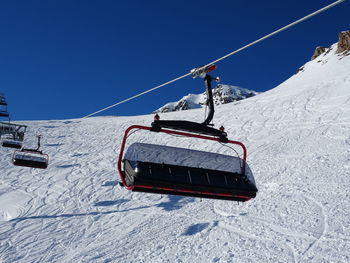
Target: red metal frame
{"x": 180, "y": 133}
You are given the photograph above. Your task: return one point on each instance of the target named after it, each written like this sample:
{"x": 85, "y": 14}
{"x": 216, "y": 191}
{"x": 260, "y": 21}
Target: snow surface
{"x": 298, "y": 140}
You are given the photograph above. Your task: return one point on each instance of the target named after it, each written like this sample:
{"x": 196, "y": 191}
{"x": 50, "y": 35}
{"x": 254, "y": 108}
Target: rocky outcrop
{"x": 318, "y": 51}
{"x": 343, "y": 47}
{"x": 344, "y": 42}
{"x": 223, "y": 94}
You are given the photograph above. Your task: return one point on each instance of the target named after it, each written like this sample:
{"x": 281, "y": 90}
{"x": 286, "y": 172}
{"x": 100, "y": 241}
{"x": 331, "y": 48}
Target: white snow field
{"x": 298, "y": 140}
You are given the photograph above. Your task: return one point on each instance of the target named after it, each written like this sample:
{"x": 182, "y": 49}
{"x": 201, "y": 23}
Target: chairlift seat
{"x": 30, "y": 158}
{"x": 171, "y": 170}
{"x": 11, "y": 144}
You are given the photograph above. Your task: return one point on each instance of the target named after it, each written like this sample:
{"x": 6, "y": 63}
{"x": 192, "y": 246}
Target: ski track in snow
{"x": 298, "y": 140}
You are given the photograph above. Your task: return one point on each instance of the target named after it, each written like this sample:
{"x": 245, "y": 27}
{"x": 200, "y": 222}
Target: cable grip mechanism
{"x": 202, "y": 72}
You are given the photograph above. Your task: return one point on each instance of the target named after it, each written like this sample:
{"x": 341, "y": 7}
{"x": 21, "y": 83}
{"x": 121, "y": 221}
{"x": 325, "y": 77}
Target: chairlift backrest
{"x": 186, "y": 157}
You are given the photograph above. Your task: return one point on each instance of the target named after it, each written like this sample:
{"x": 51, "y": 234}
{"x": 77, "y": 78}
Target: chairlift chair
{"x": 2, "y": 100}
{"x": 171, "y": 170}
{"x": 6, "y": 128}
{"x": 12, "y": 135}
{"x": 10, "y": 141}
{"x": 4, "y": 113}
{"x": 3, "y": 107}
{"x": 33, "y": 158}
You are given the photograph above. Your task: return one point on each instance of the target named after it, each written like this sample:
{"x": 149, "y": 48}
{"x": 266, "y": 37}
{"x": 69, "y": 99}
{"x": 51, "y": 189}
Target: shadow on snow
{"x": 96, "y": 213}
{"x": 110, "y": 203}
{"x": 67, "y": 165}
{"x": 194, "y": 229}
{"x": 175, "y": 202}
{"x": 111, "y": 183}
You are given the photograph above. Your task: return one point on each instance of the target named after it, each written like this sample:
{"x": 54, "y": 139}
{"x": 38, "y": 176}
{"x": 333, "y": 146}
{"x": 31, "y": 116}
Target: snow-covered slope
{"x": 298, "y": 140}
{"x": 222, "y": 94}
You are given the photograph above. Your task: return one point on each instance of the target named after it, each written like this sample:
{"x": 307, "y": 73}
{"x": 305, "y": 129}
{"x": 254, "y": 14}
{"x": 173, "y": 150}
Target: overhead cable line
{"x": 277, "y": 31}
{"x": 223, "y": 57}
{"x": 138, "y": 95}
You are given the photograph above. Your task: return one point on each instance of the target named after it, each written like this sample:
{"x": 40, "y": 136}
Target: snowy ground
{"x": 298, "y": 139}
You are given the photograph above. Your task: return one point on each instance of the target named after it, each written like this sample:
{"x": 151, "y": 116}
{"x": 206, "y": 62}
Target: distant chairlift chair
{"x": 12, "y": 135}
{"x": 2, "y": 100}
{"x": 4, "y": 113}
{"x": 10, "y": 141}
{"x": 3, "y": 107}
{"x": 33, "y": 158}
{"x": 170, "y": 170}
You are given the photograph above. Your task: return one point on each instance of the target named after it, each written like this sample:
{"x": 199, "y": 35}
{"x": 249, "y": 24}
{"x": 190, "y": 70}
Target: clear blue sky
{"x": 64, "y": 59}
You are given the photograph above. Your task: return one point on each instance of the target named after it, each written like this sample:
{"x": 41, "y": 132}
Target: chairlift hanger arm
{"x": 37, "y": 150}
{"x": 210, "y": 101}
{"x": 39, "y": 138}
{"x": 189, "y": 126}
{"x": 202, "y": 72}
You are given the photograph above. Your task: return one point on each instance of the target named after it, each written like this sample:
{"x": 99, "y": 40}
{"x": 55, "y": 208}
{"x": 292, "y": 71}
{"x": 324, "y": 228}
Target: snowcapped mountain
{"x": 222, "y": 94}
{"x": 298, "y": 141}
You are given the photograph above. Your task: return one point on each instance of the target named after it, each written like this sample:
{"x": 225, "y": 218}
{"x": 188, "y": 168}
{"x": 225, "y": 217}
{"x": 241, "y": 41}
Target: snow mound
{"x": 13, "y": 203}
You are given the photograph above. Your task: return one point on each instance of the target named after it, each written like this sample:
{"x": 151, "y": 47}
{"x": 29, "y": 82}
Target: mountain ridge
{"x": 222, "y": 94}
